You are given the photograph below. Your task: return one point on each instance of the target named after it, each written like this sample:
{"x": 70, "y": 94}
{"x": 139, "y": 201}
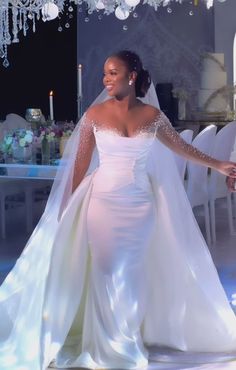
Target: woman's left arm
{"x": 169, "y": 137}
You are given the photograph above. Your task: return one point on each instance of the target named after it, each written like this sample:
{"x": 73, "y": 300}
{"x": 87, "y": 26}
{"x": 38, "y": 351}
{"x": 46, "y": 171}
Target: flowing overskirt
{"x": 43, "y": 299}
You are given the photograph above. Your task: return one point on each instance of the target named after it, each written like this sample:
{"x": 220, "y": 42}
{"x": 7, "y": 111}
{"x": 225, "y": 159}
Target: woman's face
{"x": 116, "y": 77}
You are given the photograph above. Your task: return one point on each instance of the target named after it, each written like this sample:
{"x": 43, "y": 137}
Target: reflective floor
{"x": 223, "y": 253}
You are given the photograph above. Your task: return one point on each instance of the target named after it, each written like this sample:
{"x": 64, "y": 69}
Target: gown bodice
{"x": 122, "y": 161}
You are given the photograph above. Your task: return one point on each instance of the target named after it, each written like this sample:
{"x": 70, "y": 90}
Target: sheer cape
{"x": 43, "y": 295}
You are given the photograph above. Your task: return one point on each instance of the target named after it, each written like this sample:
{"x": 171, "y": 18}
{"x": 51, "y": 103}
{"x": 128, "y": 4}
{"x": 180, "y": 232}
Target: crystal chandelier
{"x": 16, "y": 16}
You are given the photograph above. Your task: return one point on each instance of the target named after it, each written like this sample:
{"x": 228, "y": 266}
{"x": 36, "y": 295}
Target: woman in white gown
{"x": 120, "y": 264}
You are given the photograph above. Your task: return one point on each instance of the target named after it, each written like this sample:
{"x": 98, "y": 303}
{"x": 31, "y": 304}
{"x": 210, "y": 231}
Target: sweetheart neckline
{"x": 142, "y": 131}
{"x": 114, "y": 132}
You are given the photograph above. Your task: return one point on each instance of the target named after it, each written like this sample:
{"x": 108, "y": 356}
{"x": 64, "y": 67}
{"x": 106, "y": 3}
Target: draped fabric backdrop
{"x": 170, "y": 44}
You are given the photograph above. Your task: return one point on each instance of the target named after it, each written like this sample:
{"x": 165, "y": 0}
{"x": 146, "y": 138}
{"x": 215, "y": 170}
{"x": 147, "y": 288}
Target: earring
{"x": 130, "y": 82}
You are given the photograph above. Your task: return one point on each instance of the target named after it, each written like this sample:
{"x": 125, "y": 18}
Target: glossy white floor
{"x": 223, "y": 253}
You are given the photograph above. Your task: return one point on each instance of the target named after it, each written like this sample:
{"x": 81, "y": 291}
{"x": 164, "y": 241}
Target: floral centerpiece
{"x": 54, "y": 132}
{"x": 18, "y": 144}
{"x": 21, "y": 137}
{"x": 46, "y": 138}
{"x": 65, "y": 133}
{"x": 45, "y": 141}
{"x": 67, "y": 129}
{"x": 182, "y": 95}
{"x": 53, "y": 139}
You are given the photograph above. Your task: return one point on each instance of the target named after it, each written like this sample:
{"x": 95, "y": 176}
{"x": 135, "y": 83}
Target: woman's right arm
{"x": 169, "y": 137}
{"x": 84, "y": 152}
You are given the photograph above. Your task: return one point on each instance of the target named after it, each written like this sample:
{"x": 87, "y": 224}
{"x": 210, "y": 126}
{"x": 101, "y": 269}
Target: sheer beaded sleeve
{"x": 84, "y": 151}
{"x": 169, "y": 136}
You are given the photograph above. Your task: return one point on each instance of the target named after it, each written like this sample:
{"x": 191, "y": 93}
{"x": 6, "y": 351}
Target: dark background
{"x": 42, "y": 61}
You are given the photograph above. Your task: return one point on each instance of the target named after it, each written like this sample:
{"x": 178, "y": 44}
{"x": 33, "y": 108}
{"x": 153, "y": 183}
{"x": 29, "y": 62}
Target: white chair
{"x": 197, "y": 181}
{"x": 12, "y": 122}
{"x": 7, "y": 188}
{"x": 32, "y": 188}
{"x": 233, "y": 159}
{"x": 22, "y": 193}
{"x": 181, "y": 162}
{"x": 223, "y": 146}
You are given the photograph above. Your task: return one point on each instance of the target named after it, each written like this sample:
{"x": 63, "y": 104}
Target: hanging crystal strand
{"x": 33, "y": 20}
{"x": 24, "y": 22}
{"x": 6, "y": 61}
{"x": 4, "y": 20}
{"x": 20, "y": 20}
{"x": 1, "y": 33}
{"x": 14, "y": 25}
{"x": 2, "y": 54}
{"x": 2, "y": 51}
{"x": 6, "y": 37}
{"x": 6, "y": 33}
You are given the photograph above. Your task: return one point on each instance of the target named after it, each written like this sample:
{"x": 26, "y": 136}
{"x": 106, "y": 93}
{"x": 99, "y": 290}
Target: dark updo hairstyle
{"x": 133, "y": 63}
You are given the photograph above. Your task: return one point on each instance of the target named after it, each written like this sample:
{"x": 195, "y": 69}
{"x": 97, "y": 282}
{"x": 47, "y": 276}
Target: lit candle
{"x": 80, "y": 80}
{"x": 51, "y": 105}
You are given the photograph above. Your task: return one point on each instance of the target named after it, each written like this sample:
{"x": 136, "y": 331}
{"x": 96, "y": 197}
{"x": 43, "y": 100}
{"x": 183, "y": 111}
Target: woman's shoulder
{"x": 96, "y": 110}
{"x": 150, "y": 112}
{"x": 145, "y": 112}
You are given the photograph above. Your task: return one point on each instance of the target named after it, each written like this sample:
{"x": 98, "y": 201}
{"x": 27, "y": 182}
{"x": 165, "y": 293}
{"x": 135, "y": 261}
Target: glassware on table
{"x": 22, "y": 154}
{"x": 34, "y": 116}
{"x": 45, "y": 150}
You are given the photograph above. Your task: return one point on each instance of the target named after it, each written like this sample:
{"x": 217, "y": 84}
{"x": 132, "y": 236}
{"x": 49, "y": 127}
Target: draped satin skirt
{"x": 120, "y": 228}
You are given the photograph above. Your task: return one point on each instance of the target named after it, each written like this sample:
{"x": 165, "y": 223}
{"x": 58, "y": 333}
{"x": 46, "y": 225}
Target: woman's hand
{"x": 226, "y": 168}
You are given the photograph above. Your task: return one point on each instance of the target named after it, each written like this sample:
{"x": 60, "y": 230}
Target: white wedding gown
{"x": 125, "y": 268}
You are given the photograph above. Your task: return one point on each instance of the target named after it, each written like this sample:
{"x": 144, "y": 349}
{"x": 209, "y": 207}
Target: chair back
{"x": 181, "y": 162}
{"x": 13, "y": 122}
{"x": 223, "y": 146}
{"x": 197, "y": 182}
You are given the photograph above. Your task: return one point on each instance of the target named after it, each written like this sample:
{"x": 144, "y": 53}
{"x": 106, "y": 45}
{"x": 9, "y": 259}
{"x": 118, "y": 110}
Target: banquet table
{"x": 29, "y": 177}
{"x": 27, "y": 171}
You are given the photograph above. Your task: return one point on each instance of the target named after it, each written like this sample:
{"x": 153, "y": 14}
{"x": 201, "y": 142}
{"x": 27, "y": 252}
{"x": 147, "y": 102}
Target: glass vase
{"x": 45, "y": 149}
{"x": 63, "y": 142}
{"x": 22, "y": 154}
{"x": 181, "y": 109}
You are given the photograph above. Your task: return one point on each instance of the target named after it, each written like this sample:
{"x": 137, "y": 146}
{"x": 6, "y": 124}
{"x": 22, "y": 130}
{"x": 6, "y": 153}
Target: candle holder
{"x": 34, "y": 116}
{"x": 80, "y": 107}
{"x": 50, "y": 122}
{"x": 45, "y": 148}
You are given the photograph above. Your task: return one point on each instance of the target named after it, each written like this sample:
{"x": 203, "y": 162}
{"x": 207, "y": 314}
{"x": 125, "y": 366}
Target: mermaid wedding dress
{"x": 117, "y": 267}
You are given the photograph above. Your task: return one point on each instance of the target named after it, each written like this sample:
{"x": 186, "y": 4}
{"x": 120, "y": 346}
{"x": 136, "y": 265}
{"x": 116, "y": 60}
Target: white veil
{"x": 22, "y": 294}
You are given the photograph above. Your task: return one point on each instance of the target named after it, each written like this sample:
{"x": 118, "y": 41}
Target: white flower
{"x": 28, "y": 137}
{"x": 180, "y": 93}
{"x": 22, "y": 141}
{"x": 8, "y": 140}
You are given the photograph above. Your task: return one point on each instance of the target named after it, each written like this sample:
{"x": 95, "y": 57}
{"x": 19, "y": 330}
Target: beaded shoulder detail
{"x": 146, "y": 130}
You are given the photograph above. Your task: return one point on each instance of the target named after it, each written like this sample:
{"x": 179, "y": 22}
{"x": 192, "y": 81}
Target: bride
{"x": 117, "y": 263}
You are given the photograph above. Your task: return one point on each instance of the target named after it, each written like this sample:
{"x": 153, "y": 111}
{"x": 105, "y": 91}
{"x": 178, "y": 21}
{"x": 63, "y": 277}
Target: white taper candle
{"x": 51, "y": 105}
